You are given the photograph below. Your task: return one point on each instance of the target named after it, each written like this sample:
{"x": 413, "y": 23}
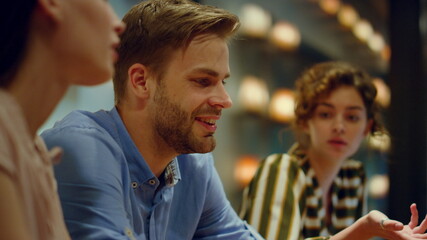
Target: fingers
{"x": 419, "y": 236}
{"x": 392, "y": 225}
{"x": 414, "y": 216}
{"x": 380, "y": 220}
{"x": 422, "y": 227}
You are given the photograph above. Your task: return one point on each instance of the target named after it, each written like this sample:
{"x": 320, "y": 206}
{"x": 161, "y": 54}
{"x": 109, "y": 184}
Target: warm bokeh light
{"x": 256, "y": 21}
{"x": 253, "y": 94}
{"x": 386, "y": 53}
{"x": 245, "y": 169}
{"x": 363, "y": 30}
{"x": 383, "y": 92}
{"x": 330, "y": 6}
{"x": 380, "y": 142}
{"x": 285, "y": 35}
{"x": 376, "y": 42}
{"x": 347, "y": 16}
{"x": 282, "y": 105}
{"x": 379, "y": 186}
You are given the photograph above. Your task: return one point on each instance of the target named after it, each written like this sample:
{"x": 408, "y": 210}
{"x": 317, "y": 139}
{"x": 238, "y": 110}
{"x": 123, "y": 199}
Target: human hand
{"x": 395, "y": 230}
{"x": 413, "y": 228}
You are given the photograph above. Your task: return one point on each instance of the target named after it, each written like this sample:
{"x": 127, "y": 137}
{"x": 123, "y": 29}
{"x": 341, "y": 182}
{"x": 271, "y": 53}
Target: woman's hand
{"x": 395, "y": 230}
{"x": 377, "y": 224}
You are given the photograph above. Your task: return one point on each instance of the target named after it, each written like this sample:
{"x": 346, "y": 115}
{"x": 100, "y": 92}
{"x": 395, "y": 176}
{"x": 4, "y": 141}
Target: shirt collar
{"x": 138, "y": 168}
{"x": 172, "y": 173}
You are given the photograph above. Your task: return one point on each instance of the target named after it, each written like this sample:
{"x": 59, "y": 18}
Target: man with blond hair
{"x": 143, "y": 170}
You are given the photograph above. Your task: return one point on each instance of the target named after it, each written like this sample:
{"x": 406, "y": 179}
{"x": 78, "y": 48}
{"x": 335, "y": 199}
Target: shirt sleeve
{"x": 219, "y": 220}
{"x": 90, "y": 183}
{"x": 272, "y": 203}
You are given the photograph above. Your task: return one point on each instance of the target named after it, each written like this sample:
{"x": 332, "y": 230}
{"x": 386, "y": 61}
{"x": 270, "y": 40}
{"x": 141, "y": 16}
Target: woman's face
{"x": 338, "y": 125}
{"x": 88, "y": 36}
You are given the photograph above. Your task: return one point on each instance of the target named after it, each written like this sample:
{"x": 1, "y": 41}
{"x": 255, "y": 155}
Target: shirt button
{"x": 129, "y": 233}
{"x": 134, "y": 184}
{"x": 152, "y": 181}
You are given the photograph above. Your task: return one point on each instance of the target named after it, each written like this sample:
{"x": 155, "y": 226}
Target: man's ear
{"x": 138, "y": 76}
{"x": 51, "y": 8}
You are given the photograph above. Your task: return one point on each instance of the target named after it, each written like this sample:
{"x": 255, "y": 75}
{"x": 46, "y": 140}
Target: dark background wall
{"x": 407, "y": 115}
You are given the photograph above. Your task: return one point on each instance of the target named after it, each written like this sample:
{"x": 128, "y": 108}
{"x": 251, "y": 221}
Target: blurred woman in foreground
{"x": 46, "y": 46}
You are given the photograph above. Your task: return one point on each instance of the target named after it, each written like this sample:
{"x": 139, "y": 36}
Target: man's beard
{"x": 174, "y": 126}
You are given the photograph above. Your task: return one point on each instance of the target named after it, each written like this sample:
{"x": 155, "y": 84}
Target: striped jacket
{"x": 284, "y": 200}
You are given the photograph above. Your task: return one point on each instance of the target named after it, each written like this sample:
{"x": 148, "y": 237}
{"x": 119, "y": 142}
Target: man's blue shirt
{"x": 107, "y": 190}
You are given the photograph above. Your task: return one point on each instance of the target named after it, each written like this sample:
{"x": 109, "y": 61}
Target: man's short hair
{"x": 156, "y": 28}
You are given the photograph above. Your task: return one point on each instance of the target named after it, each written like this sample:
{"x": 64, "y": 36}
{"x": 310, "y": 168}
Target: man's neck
{"x": 156, "y": 153}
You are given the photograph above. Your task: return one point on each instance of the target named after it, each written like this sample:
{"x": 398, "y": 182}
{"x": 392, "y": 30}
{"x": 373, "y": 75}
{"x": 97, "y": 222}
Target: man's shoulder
{"x": 87, "y": 143}
{"x": 83, "y": 119}
{"x": 83, "y": 130}
{"x": 80, "y": 120}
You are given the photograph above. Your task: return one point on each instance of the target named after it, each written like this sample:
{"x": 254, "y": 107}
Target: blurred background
{"x": 278, "y": 39}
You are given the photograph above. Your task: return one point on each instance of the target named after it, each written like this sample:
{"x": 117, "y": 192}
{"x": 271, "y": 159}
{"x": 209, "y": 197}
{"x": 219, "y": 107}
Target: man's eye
{"x": 203, "y": 81}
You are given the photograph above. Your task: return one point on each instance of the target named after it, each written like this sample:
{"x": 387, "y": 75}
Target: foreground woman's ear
{"x": 51, "y": 8}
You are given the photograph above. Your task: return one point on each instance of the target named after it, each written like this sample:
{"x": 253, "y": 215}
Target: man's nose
{"x": 220, "y": 99}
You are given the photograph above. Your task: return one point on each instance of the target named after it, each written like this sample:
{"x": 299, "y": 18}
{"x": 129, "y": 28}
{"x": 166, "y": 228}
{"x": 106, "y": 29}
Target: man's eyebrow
{"x": 209, "y": 72}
